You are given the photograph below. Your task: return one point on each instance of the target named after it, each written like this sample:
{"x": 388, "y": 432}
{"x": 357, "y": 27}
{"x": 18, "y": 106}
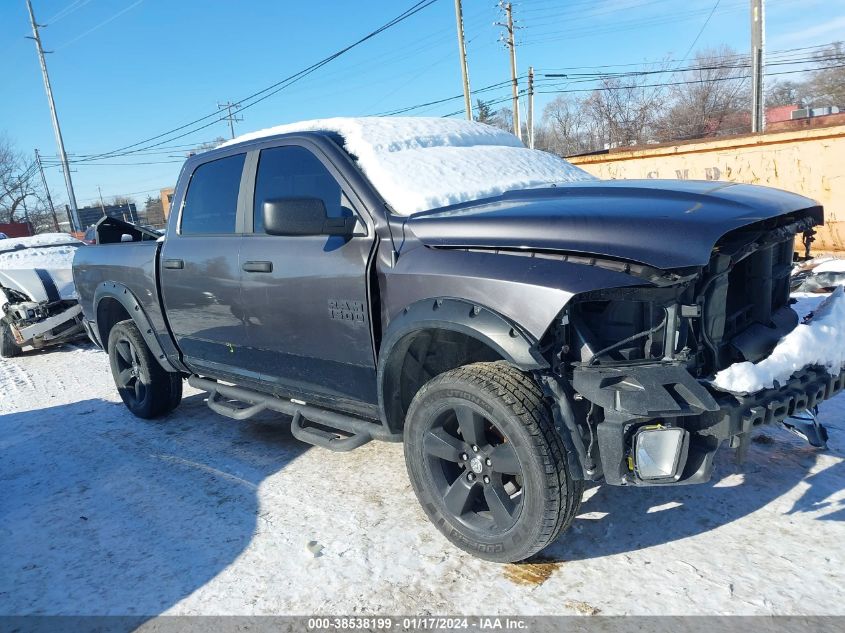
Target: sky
{"x": 124, "y": 71}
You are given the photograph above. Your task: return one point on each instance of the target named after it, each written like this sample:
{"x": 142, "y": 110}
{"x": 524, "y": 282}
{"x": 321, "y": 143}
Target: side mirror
{"x": 303, "y": 216}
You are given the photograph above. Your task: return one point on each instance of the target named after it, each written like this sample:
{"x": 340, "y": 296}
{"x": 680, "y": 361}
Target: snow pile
{"x": 423, "y": 163}
{"x": 820, "y": 341}
{"x": 47, "y": 250}
{"x": 42, "y": 239}
{"x": 830, "y": 266}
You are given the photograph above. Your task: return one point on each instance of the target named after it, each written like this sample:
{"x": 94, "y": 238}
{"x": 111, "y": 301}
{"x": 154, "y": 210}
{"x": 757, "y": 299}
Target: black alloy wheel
{"x": 145, "y": 387}
{"x": 474, "y": 468}
{"x": 487, "y": 464}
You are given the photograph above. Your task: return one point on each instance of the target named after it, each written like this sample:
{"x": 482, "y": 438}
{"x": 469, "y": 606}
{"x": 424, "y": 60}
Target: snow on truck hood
{"x": 24, "y": 261}
{"x": 819, "y": 341}
{"x": 423, "y": 163}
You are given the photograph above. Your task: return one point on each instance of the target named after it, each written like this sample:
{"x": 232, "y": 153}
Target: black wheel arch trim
{"x": 477, "y": 321}
{"x": 125, "y": 297}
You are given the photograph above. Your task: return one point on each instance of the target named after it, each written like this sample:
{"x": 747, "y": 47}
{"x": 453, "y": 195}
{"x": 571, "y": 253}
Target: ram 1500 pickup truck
{"x": 521, "y": 326}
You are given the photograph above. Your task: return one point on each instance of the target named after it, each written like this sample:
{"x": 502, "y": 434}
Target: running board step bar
{"x": 336, "y": 431}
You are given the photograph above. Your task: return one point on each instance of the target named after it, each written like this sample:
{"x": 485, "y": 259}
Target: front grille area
{"x": 758, "y": 286}
{"x": 746, "y": 292}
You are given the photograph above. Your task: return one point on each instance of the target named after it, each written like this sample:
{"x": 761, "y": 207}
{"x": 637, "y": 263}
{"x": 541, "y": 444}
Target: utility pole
{"x": 512, "y": 46}
{"x": 531, "y": 107}
{"x": 56, "y": 129}
{"x": 230, "y": 117}
{"x": 758, "y": 112}
{"x": 102, "y": 205}
{"x": 462, "y": 50}
{"x": 47, "y": 191}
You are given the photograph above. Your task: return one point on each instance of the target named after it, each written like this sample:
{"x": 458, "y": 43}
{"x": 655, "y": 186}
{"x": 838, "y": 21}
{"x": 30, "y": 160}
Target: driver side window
{"x": 294, "y": 172}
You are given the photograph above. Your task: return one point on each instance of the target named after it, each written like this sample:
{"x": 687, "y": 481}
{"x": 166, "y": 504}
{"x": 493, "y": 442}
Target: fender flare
{"x": 130, "y": 303}
{"x": 458, "y": 315}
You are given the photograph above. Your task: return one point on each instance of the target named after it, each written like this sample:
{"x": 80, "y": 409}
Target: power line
{"x": 98, "y": 26}
{"x": 608, "y": 88}
{"x": 701, "y": 30}
{"x": 772, "y": 54}
{"x": 269, "y": 91}
{"x": 676, "y": 83}
{"x": 71, "y": 8}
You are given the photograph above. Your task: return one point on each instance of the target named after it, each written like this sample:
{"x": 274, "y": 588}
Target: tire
{"x": 8, "y": 347}
{"x": 517, "y": 496}
{"x": 146, "y": 389}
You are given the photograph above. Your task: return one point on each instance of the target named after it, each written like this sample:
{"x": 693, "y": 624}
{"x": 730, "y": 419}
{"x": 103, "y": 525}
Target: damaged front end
{"x": 37, "y": 321}
{"x": 635, "y": 364}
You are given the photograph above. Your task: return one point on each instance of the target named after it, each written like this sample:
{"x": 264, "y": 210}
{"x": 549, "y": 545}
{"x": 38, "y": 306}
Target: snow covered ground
{"x": 102, "y": 513}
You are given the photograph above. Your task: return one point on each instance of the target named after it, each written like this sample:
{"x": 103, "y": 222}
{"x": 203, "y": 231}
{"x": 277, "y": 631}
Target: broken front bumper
{"x": 659, "y": 397}
{"x": 52, "y": 330}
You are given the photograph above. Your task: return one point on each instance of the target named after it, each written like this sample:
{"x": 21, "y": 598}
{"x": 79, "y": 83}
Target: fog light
{"x": 660, "y": 453}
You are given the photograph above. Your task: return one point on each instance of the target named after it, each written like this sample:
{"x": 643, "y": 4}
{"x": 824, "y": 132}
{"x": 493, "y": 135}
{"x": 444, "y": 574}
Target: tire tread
{"x": 520, "y": 393}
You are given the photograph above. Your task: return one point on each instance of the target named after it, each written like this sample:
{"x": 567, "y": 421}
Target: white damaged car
{"x": 38, "y": 302}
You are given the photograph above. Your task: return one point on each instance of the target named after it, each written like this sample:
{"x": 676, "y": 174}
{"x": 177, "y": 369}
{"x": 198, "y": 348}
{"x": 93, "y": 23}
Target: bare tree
{"x": 502, "y": 119}
{"x": 710, "y": 98}
{"x": 154, "y": 211}
{"x": 22, "y": 198}
{"x": 826, "y": 85}
{"x": 784, "y": 93}
{"x": 623, "y": 111}
{"x": 564, "y": 129}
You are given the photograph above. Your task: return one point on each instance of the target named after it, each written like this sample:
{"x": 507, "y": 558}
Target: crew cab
{"x": 521, "y": 326}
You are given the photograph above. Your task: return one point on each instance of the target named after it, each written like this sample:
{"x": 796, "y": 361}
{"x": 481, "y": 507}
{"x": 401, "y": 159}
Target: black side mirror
{"x": 303, "y": 216}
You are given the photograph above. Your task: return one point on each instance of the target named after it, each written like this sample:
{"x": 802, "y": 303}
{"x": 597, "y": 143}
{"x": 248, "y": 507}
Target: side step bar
{"x": 341, "y": 432}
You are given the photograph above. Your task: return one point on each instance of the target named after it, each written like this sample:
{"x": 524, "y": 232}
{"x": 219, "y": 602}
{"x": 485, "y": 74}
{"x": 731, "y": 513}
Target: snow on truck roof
{"x": 424, "y": 163}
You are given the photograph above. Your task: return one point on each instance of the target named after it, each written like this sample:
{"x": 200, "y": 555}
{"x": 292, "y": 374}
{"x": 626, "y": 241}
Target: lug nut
{"x": 463, "y": 457}
{"x": 474, "y": 448}
{"x": 486, "y": 479}
{"x": 471, "y": 476}
{"x": 488, "y": 462}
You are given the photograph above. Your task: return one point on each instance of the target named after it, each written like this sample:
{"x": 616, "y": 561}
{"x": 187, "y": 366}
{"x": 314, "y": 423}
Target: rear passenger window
{"x": 294, "y": 172}
{"x": 211, "y": 204}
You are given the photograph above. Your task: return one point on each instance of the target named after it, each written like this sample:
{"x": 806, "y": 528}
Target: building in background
{"x": 16, "y": 229}
{"x": 89, "y": 215}
{"x": 166, "y": 200}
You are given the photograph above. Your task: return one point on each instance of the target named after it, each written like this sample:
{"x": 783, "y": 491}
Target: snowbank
{"x": 49, "y": 250}
{"x": 820, "y": 341}
{"x": 831, "y": 266}
{"x": 42, "y": 239}
{"x": 423, "y": 163}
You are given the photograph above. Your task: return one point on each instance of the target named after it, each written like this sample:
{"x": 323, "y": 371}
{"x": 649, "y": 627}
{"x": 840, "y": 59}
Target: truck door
{"x": 305, "y": 297}
{"x": 200, "y": 270}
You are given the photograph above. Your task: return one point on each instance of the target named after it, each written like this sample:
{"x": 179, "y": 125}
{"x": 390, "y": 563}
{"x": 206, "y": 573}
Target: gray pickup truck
{"x": 519, "y": 344}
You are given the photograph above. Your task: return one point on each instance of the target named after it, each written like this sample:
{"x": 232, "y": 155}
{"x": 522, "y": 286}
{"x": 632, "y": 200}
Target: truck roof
{"x": 423, "y": 163}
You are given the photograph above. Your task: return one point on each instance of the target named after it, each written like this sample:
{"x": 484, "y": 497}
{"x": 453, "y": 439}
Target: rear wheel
{"x": 8, "y": 346}
{"x": 146, "y": 389}
{"x": 487, "y": 464}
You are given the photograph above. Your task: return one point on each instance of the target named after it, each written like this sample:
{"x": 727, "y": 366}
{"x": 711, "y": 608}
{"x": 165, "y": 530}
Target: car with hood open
{"x": 521, "y": 326}
{"x": 38, "y": 304}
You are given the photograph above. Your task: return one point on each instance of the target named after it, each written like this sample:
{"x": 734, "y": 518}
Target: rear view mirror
{"x": 303, "y": 216}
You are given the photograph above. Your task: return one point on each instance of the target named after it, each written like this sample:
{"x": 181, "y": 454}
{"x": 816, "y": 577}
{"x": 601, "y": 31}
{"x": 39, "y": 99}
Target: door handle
{"x": 175, "y": 264}
{"x": 258, "y": 267}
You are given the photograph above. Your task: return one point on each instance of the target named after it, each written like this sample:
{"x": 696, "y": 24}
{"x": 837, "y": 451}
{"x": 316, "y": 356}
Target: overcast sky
{"x": 127, "y": 70}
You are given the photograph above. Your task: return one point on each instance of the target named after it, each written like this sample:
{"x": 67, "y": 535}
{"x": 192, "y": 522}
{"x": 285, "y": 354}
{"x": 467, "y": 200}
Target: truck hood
{"x": 661, "y": 223}
{"x": 40, "y": 284}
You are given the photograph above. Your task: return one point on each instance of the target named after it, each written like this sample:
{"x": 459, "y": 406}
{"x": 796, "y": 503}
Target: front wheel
{"x": 8, "y": 346}
{"x": 145, "y": 387}
{"x": 487, "y": 464}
